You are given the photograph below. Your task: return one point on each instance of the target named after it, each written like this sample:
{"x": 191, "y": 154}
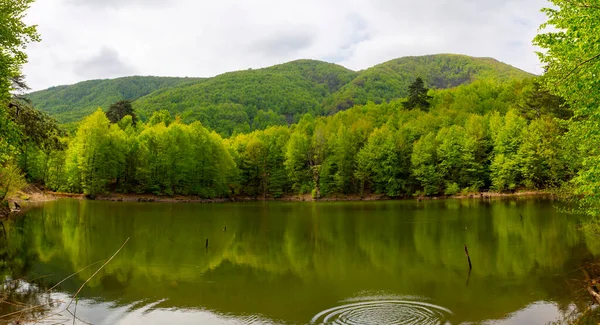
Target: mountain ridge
{"x": 249, "y": 99}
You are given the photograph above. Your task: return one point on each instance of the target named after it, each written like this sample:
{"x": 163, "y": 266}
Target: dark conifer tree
{"x": 119, "y": 110}
{"x": 417, "y": 96}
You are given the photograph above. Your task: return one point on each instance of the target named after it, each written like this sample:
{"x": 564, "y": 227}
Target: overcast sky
{"x": 91, "y": 39}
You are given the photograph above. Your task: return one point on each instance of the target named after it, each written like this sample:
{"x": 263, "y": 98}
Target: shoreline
{"x": 44, "y": 196}
{"x": 32, "y": 195}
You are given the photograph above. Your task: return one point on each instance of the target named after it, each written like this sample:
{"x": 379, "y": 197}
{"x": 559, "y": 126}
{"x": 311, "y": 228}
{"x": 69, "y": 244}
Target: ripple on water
{"x": 384, "y": 311}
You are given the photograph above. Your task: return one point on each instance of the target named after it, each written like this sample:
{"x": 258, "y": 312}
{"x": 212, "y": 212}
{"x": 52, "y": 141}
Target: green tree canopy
{"x": 14, "y": 36}
{"x": 119, "y": 110}
{"x": 417, "y": 96}
{"x": 571, "y": 54}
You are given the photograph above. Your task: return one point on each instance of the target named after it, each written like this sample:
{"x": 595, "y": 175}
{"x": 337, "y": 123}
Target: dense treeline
{"x": 485, "y": 135}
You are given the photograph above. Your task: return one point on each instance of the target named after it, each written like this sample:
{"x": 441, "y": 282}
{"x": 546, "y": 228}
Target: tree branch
{"x": 579, "y": 66}
{"x": 583, "y": 5}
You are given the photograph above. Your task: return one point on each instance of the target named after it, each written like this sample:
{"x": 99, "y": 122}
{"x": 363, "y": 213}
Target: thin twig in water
{"x": 79, "y": 319}
{"x": 41, "y": 277}
{"x": 25, "y": 309}
{"x": 75, "y": 311}
{"x": 65, "y": 279}
{"x": 98, "y": 270}
{"x": 86, "y": 281}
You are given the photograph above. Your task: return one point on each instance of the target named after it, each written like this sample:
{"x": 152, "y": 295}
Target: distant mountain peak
{"x": 287, "y": 89}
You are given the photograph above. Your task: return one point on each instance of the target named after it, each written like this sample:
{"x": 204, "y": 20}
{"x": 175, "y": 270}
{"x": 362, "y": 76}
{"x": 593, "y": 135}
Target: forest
{"x": 486, "y": 135}
{"x": 480, "y": 126}
{"x": 245, "y": 101}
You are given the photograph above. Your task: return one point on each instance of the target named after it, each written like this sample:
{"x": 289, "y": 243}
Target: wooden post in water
{"x": 3, "y": 229}
{"x": 468, "y": 257}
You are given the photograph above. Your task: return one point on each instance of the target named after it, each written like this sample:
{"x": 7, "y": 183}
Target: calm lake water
{"x": 392, "y": 262}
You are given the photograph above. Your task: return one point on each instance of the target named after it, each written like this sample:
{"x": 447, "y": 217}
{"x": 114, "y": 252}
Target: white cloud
{"x": 202, "y": 38}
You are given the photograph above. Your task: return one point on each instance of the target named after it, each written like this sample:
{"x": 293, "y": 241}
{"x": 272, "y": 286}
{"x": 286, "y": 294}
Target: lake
{"x": 387, "y": 262}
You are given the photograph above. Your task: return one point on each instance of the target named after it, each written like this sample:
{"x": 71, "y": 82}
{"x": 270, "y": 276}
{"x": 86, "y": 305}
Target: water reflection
{"x": 284, "y": 263}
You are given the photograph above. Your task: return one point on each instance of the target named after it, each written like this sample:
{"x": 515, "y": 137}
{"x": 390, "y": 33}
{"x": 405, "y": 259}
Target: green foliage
{"x": 452, "y": 188}
{"x": 342, "y": 161}
{"x": 539, "y": 101}
{"x": 72, "y": 103}
{"x": 571, "y": 55}
{"x": 469, "y": 140}
{"x": 385, "y": 161}
{"x": 96, "y": 156}
{"x": 38, "y": 132}
{"x": 417, "y": 96}
{"x": 37, "y": 127}
{"x": 11, "y": 180}
{"x": 244, "y": 101}
{"x": 424, "y": 161}
{"x": 235, "y": 99}
{"x": 507, "y": 137}
{"x": 153, "y": 158}
{"x": 391, "y": 79}
{"x": 119, "y": 110}
{"x": 14, "y": 37}
{"x": 297, "y": 162}
{"x": 541, "y": 161}
{"x": 225, "y": 119}
{"x": 10, "y": 138}
{"x": 259, "y": 157}
{"x": 163, "y": 116}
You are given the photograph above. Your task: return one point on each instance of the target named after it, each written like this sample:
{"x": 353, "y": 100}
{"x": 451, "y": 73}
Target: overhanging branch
{"x": 584, "y": 5}
{"x": 579, "y": 65}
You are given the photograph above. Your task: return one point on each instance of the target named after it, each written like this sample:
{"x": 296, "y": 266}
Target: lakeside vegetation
{"x": 272, "y": 132}
{"x": 418, "y": 126}
{"x": 479, "y": 136}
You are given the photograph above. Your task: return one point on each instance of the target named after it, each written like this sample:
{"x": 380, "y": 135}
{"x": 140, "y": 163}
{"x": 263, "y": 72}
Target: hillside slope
{"x": 73, "y": 102}
{"x": 391, "y": 79}
{"x": 241, "y": 101}
{"x": 287, "y": 89}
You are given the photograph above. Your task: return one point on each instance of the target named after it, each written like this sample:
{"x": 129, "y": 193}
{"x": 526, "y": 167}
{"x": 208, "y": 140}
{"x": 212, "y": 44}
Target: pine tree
{"x": 417, "y": 96}
{"x": 119, "y": 110}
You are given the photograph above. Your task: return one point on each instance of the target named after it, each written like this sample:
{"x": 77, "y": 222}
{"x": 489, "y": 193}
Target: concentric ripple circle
{"x": 403, "y": 312}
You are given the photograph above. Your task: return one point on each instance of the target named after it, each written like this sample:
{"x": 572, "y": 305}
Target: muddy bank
{"x": 24, "y": 199}
{"x": 32, "y": 195}
{"x": 499, "y": 195}
{"x": 291, "y": 198}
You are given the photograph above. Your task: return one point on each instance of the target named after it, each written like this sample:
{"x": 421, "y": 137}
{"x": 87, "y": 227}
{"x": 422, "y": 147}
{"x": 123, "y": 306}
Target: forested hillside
{"x": 484, "y": 135}
{"x": 390, "y": 80}
{"x": 72, "y": 103}
{"x": 243, "y": 101}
